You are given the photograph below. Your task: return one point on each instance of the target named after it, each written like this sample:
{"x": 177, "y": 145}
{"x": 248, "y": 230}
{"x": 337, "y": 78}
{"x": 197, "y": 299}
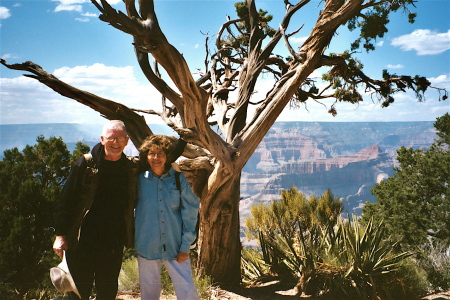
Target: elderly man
{"x": 95, "y": 217}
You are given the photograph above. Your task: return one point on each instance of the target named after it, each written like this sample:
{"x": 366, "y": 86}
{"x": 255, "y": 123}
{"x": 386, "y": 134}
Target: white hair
{"x": 114, "y": 124}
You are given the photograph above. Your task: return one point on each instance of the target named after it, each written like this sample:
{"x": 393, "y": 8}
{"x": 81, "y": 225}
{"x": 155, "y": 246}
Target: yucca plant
{"x": 372, "y": 261}
{"x": 253, "y": 265}
{"x": 348, "y": 260}
{"x": 281, "y": 221}
{"x": 326, "y": 254}
{"x": 299, "y": 255}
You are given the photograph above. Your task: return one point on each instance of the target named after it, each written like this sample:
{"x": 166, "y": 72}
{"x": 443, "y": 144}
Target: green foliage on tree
{"x": 244, "y": 27}
{"x": 373, "y": 24}
{"x": 414, "y": 203}
{"x": 30, "y": 184}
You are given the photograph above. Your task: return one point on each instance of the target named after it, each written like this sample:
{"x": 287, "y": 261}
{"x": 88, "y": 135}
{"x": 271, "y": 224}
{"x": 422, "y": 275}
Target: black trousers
{"x": 89, "y": 264}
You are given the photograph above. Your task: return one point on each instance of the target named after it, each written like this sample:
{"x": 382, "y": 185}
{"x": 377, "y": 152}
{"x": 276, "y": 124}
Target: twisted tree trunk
{"x": 219, "y": 240}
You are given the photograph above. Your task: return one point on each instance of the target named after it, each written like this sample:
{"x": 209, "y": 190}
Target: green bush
{"x": 129, "y": 276}
{"x": 413, "y": 277}
{"x": 30, "y": 185}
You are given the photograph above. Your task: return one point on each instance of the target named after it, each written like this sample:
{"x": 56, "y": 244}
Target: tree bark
{"x": 219, "y": 239}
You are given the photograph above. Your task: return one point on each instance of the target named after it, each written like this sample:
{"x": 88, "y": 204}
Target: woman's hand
{"x": 182, "y": 256}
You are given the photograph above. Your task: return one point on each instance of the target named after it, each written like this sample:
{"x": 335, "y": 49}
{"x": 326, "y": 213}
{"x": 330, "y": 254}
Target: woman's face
{"x": 157, "y": 159}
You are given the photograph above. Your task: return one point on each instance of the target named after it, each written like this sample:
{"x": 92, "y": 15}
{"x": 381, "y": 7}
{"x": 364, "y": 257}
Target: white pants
{"x": 180, "y": 273}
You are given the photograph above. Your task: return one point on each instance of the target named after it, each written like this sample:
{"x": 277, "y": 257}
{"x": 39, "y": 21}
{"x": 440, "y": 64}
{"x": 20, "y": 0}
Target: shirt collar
{"x": 149, "y": 173}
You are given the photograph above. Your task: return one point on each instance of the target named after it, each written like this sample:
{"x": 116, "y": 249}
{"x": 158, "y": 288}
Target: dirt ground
{"x": 268, "y": 291}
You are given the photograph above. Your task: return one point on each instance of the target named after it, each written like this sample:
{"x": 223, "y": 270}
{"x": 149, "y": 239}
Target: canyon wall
{"x": 348, "y": 158}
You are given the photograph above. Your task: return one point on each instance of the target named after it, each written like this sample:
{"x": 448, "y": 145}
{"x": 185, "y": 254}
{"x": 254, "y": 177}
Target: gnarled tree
{"x": 243, "y": 52}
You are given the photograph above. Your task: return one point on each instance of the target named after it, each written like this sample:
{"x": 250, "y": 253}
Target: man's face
{"x": 114, "y": 142}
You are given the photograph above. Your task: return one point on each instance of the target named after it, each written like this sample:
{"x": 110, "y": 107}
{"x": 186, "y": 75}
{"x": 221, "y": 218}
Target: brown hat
{"x": 61, "y": 278}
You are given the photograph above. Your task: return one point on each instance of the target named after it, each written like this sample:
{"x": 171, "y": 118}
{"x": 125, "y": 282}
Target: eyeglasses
{"x": 119, "y": 139}
{"x": 156, "y": 155}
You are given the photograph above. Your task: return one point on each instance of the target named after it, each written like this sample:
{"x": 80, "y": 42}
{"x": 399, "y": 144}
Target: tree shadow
{"x": 275, "y": 289}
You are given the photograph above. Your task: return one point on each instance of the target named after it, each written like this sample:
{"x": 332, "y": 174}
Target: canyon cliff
{"x": 347, "y": 158}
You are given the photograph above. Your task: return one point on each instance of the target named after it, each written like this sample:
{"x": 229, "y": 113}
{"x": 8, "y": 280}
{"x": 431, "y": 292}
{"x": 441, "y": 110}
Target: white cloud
{"x": 8, "y": 56}
{"x": 442, "y": 81}
{"x": 4, "y": 13}
{"x": 77, "y": 6}
{"x": 95, "y": 71}
{"x": 89, "y": 15}
{"x": 405, "y": 108}
{"x": 70, "y": 2}
{"x": 69, "y": 5}
{"x": 25, "y": 100}
{"x": 62, "y": 7}
{"x": 424, "y": 42}
{"x": 398, "y": 66}
{"x": 297, "y": 40}
{"x": 380, "y": 44}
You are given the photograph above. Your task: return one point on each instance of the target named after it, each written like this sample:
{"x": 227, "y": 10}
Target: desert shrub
{"x": 203, "y": 283}
{"x": 434, "y": 258}
{"x": 129, "y": 276}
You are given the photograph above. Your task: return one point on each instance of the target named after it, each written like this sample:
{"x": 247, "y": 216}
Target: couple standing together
{"x": 110, "y": 201}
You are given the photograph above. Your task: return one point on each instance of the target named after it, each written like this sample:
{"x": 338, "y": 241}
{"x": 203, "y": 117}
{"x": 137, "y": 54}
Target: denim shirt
{"x": 165, "y": 222}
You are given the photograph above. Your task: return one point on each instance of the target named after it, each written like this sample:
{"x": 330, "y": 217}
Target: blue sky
{"x": 68, "y": 40}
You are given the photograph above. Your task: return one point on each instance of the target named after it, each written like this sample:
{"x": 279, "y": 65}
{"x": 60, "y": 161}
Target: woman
{"x": 165, "y": 222}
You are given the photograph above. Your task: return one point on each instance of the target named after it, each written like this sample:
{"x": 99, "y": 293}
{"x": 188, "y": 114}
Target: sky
{"x": 67, "y": 39}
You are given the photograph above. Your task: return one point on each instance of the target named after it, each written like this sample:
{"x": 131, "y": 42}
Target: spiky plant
{"x": 371, "y": 258}
{"x": 253, "y": 265}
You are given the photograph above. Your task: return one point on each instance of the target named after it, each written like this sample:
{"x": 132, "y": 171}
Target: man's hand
{"x": 181, "y": 257}
{"x": 60, "y": 245}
